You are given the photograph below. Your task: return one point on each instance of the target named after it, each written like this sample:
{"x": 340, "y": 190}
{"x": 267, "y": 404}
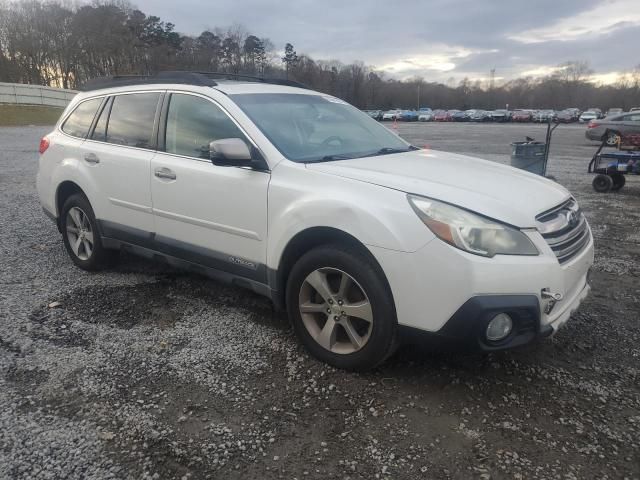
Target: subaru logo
{"x": 572, "y": 218}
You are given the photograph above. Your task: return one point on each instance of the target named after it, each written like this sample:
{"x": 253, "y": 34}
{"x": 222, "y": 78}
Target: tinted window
{"x": 100, "y": 131}
{"x": 78, "y": 123}
{"x": 633, "y": 118}
{"x": 131, "y": 119}
{"x": 193, "y": 122}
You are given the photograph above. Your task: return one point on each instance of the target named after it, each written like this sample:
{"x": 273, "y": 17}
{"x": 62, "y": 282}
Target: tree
{"x": 290, "y": 58}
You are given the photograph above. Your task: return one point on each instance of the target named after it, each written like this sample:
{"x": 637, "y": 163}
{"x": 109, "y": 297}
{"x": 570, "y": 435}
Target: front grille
{"x": 565, "y": 229}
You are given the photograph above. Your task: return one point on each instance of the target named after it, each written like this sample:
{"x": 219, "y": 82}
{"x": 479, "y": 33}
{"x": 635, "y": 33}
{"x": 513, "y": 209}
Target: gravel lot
{"x": 147, "y": 372}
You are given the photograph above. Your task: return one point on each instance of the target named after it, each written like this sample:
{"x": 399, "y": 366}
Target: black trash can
{"x": 529, "y": 156}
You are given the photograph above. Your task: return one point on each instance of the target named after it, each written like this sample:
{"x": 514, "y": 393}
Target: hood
{"x": 497, "y": 191}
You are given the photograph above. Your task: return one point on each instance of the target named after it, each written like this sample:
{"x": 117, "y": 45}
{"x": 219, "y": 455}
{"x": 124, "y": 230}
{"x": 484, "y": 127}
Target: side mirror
{"x": 232, "y": 152}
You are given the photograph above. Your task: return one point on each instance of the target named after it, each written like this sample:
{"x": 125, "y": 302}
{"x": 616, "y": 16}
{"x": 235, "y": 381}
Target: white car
{"x": 391, "y": 114}
{"x": 588, "y": 116}
{"x": 364, "y": 239}
{"x": 425, "y": 116}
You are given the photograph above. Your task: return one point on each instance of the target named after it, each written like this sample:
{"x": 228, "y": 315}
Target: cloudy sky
{"x": 436, "y": 39}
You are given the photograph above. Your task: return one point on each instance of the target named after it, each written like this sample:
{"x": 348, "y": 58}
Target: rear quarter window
{"x": 78, "y": 123}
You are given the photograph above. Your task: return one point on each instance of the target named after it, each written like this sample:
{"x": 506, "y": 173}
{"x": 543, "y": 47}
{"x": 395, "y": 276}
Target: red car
{"x": 521, "y": 116}
{"x": 443, "y": 115}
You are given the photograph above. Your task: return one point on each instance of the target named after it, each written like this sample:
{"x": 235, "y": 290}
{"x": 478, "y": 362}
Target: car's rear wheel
{"x": 81, "y": 236}
{"x": 618, "y": 181}
{"x": 341, "y": 308}
{"x": 602, "y": 183}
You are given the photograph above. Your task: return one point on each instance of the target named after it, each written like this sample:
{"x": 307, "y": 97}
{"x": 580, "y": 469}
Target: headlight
{"x": 470, "y": 232}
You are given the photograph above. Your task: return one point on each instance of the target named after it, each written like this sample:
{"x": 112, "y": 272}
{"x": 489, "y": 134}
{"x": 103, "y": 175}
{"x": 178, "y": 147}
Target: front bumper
{"x": 467, "y": 327}
{"x": 446, "y": 293}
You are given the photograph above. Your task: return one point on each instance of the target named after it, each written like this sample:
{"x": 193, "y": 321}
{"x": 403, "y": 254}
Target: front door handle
{"x": 91, "y": 158}
{"x": 165, "y": 173}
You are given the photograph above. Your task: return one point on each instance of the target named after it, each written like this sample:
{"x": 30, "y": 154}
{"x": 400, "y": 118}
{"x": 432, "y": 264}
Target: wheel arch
{"x": 308, "y": 239}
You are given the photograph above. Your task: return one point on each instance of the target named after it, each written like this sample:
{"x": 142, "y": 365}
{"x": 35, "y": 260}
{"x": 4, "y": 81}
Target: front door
{"x": 211, "y": 215}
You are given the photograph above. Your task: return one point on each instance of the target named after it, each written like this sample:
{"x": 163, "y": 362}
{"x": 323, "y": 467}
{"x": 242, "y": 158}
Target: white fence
{"x": 35, "y": 95}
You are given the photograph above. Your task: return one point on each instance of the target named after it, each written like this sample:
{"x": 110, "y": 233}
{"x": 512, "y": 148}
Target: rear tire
{"x": 618, "y": 181}
{"x": 602, "y": 183}
{"x": 349, "y": 319}
{"x": 81, "y": 236}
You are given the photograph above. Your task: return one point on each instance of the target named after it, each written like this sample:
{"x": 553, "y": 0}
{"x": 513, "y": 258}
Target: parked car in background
{"x": 375, "y": 114}
{"x": 575, "y": 113}
{"x": 521, "y": 116}
{"x": 501, "y": 115}
{"x": 443, "y": 116}
{"x": 437, "y": 114}
{"x": 634, "y": 109}
{"x": 613, "y": 111}
{"x": 588, "y": 116}
{"x": 408, "y": 116}
{"x": 597, "y": 111}
{"x": 543, "y": 116}
{"x": 426, "y": 116}
{"x": 566, "y": 116}
{"x": 391, "y": 114}
{"x": 625, "y": 124}
{"x": 460, "y": 116}
{"x": 480, "y": 116}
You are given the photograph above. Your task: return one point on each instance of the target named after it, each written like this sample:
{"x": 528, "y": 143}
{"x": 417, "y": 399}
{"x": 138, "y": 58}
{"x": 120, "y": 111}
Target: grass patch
{"x": 11, "y": 115}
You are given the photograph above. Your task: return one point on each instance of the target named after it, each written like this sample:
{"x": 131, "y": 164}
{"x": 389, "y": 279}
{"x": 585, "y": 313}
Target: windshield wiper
{"x": 329, "y": 158}
{"x": 389, "y": 150}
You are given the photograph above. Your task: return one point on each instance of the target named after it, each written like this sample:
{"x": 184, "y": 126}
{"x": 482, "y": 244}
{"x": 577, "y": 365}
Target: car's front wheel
{"x": 80, "y": 235}
{"x": 341, "y": 308}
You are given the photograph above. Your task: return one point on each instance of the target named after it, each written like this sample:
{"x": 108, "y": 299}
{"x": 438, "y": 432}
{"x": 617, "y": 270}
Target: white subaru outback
{"x": 363, "y": 238}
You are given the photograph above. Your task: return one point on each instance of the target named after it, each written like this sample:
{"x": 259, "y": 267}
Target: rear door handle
{"x": 165, "y": 173}
{"x": 91, "y": 158}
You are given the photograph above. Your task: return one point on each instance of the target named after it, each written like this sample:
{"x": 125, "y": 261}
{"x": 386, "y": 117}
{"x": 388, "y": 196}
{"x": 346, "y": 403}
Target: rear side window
{"x": 193, "y": 122}
{"x": 77, "y": 124}
{"x": 131, "y": 120}
{"x": 633, "y": 118}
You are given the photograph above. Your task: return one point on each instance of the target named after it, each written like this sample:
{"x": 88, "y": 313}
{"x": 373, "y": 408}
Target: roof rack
{"x": 202, "y": 79}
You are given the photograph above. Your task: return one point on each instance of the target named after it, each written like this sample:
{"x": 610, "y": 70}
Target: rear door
{"x": 211, "y": 215}
{"x": 120, "y": 149}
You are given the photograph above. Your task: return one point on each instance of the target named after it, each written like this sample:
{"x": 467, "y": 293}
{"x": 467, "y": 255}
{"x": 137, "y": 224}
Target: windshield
{"x": 315, "y": 128}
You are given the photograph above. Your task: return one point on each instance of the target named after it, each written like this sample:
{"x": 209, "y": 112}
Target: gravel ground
{"x": 147, "y": 372}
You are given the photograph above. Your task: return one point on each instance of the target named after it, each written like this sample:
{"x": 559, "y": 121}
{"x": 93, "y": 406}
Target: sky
{"x": 435, "y": 39}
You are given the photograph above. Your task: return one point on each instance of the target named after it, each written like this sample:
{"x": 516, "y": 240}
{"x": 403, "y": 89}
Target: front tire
{"x": 341, "y": 308}
{"x": 81, "y": 236}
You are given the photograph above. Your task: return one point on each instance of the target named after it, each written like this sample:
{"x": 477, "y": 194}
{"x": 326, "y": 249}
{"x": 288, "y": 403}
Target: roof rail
{"x": 253, "y": 78}
{"x": 203, "y": 79}
{"x": 187, "y": 78}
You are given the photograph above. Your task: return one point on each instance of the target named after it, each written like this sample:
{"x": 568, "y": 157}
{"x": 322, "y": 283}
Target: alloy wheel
{"x": 79, "y": 233}
{"x": 335, "y": 310}
{"x": 612, "y": 140}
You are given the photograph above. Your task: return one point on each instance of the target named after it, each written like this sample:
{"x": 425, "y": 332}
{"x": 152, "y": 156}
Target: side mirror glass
{"x": 230, "y": 151}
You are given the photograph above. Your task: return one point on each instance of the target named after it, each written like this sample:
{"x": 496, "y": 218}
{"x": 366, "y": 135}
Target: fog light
{"x": 499, "y": 327}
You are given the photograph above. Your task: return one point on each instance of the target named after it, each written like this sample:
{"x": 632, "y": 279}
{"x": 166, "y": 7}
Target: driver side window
{"x": 193, "y": 122}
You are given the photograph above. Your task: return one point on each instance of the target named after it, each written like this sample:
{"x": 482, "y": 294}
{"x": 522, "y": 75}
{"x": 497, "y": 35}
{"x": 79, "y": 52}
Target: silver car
{"x": 621, "y": 124}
